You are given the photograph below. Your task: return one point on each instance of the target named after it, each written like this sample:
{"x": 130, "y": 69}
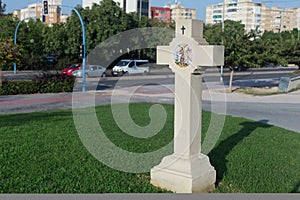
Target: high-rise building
{"x": 139, "y": 6}
{"x": 254, "y": 15}
{"x": 36, "y": 11}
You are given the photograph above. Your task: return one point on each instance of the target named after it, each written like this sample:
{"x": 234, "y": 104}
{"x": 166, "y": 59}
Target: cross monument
{"x": 187, "y": 170}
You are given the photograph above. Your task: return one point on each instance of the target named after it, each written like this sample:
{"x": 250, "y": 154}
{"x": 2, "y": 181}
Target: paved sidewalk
{"x": 281, "y": 110}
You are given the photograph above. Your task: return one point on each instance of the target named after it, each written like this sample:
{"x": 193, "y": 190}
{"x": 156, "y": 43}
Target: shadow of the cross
{"x": 296, "y": 188}
{"x": 218, "y": 154}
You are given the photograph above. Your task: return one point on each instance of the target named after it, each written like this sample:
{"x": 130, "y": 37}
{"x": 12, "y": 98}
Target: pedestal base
{"x": 184, "y": 175}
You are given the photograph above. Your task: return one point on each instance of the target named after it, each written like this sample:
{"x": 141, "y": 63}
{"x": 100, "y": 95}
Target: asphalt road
{"x": 280, "y": 110}
{"x": 254, "y": 77}
{"x": 285, "y": 115}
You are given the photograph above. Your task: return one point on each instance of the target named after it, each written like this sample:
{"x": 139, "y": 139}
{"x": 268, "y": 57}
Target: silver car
{"x": 91, "y": 71}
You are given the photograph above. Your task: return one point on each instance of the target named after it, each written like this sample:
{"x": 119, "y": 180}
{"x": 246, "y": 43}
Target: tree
{"x": 30, "y": 37}
{"x": 9, "y": 54}
{"x": 213, "y": 34}
{"x": 54, "y": 44}
{"x": 106, "y": 20}
{"x": 235, "y": 41}
{"x": 7, "y": 26}
{"x": 290, "y": 47}
{"x": 272, "y": 48}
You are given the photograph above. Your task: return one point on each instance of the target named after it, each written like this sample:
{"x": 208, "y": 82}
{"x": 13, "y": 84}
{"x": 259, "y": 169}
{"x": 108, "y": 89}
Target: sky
{"x": 198, "y": 4}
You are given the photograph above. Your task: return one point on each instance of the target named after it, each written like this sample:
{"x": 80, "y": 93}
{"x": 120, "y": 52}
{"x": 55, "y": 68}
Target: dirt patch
{"x": 260, "y": 91}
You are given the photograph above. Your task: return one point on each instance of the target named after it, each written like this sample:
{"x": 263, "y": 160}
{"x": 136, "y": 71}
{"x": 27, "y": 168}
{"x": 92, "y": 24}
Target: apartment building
{"x": 178, "y": 11}
{"x": 139, "y": 6}
{"x": 172, "y": 12}
{"x": 254, "y": 15}
{"x": 161, "y": 14}
{"x": 36, "y": 11}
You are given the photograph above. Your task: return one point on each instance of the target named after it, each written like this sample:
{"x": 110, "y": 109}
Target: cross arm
{"x": 208, "y": 55}
{"x": 164, "y": 55}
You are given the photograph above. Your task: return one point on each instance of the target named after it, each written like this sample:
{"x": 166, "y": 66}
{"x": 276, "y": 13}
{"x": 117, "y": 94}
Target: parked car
{"x": 131, "y": 67}
{"x": 69, "y": 70}
{"x": 91, "y": 71}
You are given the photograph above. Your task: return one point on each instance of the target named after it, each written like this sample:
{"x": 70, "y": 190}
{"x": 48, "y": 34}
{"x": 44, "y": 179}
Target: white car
{"x": 91, "y": 71}
{"x": 131, "y": 67}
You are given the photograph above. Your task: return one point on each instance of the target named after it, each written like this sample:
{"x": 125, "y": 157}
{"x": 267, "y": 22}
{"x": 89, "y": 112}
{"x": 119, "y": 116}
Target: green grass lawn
{"x": 42, "y": 153}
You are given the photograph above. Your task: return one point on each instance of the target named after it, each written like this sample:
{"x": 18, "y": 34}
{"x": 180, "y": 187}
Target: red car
{"x": 68, "y": 71}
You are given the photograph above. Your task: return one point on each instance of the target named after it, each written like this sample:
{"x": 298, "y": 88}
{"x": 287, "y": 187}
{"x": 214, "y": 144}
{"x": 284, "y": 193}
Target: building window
{"x": 217, "y": 11}
{"x": 217, "y": 16}
{"x": 144, "y": 8}
{"x": 232, "y": 4}
{"x": 231, "y": 10}
{"x": 217, "y": 6}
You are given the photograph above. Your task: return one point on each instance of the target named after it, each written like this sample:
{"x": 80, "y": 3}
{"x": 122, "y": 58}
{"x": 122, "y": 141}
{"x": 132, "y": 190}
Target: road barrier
{"x": 289, "y": 83}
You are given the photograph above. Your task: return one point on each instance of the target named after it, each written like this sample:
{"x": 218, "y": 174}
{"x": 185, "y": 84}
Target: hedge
{"x": 47, "y": 83}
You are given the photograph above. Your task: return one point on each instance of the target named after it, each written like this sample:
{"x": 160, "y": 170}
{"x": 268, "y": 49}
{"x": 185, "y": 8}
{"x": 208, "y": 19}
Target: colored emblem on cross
{"x": 183, "y": 55}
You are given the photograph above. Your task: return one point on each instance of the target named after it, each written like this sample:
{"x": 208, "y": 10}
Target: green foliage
{"x": 9, "y": 54}
{"x": 54, "y": 40}
{"x": 31, "y": 38}
{"x": 254, "y": 49}
{"x": 62, "y": 41}
{"x": 47, "y": 83}
{"x": 213, "y": 34}
{"x": 290, "y": 47}
{"x": 7, "y": 26}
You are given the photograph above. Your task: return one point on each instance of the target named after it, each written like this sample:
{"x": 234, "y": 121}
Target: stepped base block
{"x": 193, "y": 174}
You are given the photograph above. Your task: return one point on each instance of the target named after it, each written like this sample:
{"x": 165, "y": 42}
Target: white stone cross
{"x": 187, "y": 170}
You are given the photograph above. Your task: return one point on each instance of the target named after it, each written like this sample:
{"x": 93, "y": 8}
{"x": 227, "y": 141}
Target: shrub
{"x": 46, "y": 83}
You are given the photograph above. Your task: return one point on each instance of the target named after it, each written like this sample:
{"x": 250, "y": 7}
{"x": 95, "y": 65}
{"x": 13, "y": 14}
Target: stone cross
{"x": 187, "y": 170}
